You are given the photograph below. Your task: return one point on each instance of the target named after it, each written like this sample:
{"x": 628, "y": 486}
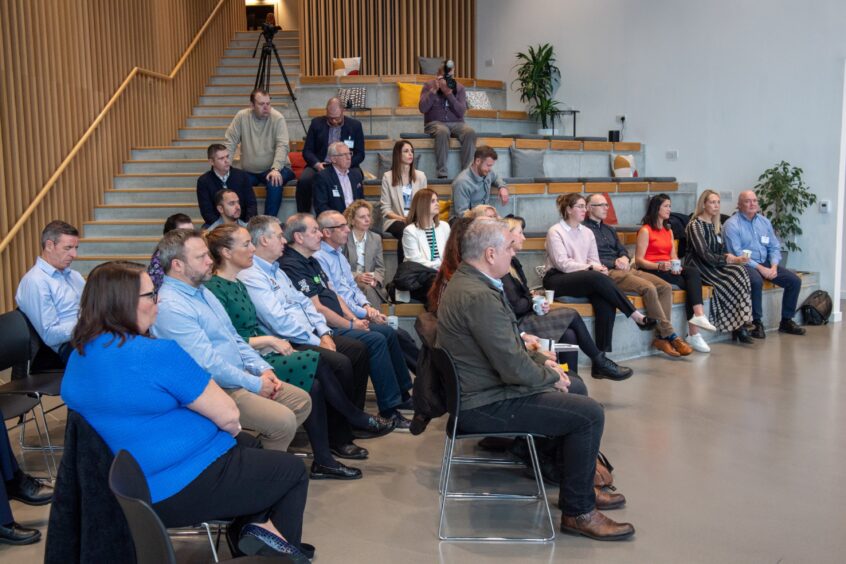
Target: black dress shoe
{"x": 648, "y": 324}
{"x": 742, "y": 335}
{"x": 350, "y": 451}
{"x": 29, "y": 490}
{"x": 790, "y": 327}
{"x": 15, "y": 534}
{"x": 340, "y": 472}
{"x": 604, "y": 367}
{"x": 757, "y": 330}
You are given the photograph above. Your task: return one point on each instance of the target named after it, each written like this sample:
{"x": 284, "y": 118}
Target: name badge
{"x": 719, "y": 239}
{"x": 350, "y": 143}
{"x": 765, "y": 240}
{"x": 336, "y": 193}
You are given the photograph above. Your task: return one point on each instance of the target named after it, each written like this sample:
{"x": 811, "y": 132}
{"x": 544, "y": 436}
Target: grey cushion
{"x": 591, "y": 138}
{"x": 596, "y": 179}
{"x": 384, "y": 162}
{"x": 413, "y": 136}
{"x": 519, "y": 180}
{"x": 526, "y": 162}
{"x": 430, "y": 65}
{"x": 546, "y": 179}
{"x": 659, "y": 179}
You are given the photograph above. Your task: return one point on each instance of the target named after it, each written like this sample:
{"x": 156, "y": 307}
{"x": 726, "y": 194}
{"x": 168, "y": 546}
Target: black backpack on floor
{"x": 816, "y": 309}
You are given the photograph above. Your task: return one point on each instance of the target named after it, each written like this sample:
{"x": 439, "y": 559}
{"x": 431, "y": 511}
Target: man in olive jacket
{"x": 505, "y": 388}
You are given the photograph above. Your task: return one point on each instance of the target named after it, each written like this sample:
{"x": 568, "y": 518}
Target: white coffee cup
{"x": 537, "y": 304}
{"x": 675, "y": 266}
{"x": 746, "y": 253}
{"x": 550, "y": 296}
{"x": 393, "y": 321}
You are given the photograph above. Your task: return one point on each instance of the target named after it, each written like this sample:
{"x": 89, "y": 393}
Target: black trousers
{"x": 304, "y": 190}
{"x": 577, "y": 334}
{"x": 410, "y": 350}
{"x": 575, "y": 423}
{"x": 396, "y": 229}
{"x": 250, "y": 484}
{"x": 8, "y": 468}
{"x": 690, "y": 280}
{"x": 603, "y": 294}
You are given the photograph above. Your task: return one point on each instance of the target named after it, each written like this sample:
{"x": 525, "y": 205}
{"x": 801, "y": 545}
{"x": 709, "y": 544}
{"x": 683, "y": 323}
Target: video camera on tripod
{"x": 268, "y": 30}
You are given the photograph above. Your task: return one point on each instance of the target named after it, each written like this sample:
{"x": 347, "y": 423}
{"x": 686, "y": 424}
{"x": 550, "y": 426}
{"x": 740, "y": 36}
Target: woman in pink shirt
{"x": 573, "y": 269}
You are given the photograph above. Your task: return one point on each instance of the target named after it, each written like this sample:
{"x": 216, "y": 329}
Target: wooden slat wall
{"x": 388, "y": 35}
{"x": 60, "y": 64}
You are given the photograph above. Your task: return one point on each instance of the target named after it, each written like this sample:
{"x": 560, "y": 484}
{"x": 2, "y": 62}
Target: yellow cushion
{"x": 445, "y": 205}
{"x": 409, "y": 94}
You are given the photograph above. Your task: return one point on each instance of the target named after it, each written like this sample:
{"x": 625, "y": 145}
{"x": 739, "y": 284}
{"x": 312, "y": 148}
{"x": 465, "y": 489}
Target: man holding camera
{"x": 443, "y": 102}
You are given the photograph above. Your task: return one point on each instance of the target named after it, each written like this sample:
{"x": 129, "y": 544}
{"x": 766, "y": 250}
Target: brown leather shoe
{"x": 606, "y": 499}
{"x": 665, "y": 347}
{"x": 596, "y": 526}
{"x": 681, "y": 346}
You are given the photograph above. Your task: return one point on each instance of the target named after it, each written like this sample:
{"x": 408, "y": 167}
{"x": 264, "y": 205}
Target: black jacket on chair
{"x": 517, "y": 291}
{"x": 317, "y": 140}
{"x": 327, "y": 193}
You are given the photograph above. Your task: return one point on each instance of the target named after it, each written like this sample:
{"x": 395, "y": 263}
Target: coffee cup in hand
{"x": 550, "y": 296}
{"x": 537, "y": 305}
{"x": 675, "y": 266}
{"x": 747, "y": 254}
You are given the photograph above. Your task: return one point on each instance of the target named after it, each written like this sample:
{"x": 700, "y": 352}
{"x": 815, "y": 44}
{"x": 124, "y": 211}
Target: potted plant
{"x": 783, "y": 196}
{"x": 537, "y": 79}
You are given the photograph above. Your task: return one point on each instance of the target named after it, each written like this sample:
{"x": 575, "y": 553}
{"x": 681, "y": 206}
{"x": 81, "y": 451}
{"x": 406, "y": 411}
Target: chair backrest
{"x": 127, "y": 482}
{"x": 14, "y": 344}
{"x": 452, "y": 387}
{"x": 41, "y": 357}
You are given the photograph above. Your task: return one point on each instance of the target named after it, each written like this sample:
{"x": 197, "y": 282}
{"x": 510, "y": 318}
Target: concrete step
{"x": 197, "y": 166}
{"x": 158, "y": 212}
{"x": 84, "y": 265}
{"x": 281, "y": 42}
{"x": 158, "y": 180}
{"x": 117, "y": 246}
{"x": 253, "y": 35}
{"x": 244, "y": 87}
{"x": 287, "y": 50}
{"x": 247, "y": 77}
{"x": 242, "y": 101}
{"x": 230, "y": 109}
{"x": 290, "y": 62}
{"x": 244, "y": 68}
{"x": 150, "y": 228}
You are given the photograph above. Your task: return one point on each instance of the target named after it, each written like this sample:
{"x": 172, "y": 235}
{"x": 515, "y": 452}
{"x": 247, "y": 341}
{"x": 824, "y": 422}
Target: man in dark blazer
{"x": 322, "y": 132}
{"x": 338, "y": 185}
{"x": 223, "y": 175}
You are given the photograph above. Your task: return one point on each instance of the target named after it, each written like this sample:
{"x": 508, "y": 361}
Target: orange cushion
{"x": 611, "y": 218}
{"x": 298, "y": 163}
{"x": 445, "y": 206}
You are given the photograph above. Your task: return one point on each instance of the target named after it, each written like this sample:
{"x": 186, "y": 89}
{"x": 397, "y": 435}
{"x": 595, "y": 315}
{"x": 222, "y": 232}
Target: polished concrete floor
{"x": 730, "y": 457}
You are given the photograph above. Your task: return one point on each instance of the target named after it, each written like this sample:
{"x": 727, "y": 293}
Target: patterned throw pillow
{"x": 623, "y": 166}
{"x": 346, "y": 67}
{"x": 409, "y": 94}
{"x": 478, "y": 100}
{"x": 353, "y": 97}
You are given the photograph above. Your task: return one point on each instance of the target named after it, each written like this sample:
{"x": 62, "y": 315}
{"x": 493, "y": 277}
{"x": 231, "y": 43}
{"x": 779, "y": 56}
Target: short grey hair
{"x": 296, "y": 224}
{"x": 172, "y": 246}
{"x": 591, "y": 196}
{"x": 54, "y": 230}
{"x": 334, "y": 148}
{"x": 482, "y": 234}
{"x": 324, "y": 221}
{"x": 259, "y": 226}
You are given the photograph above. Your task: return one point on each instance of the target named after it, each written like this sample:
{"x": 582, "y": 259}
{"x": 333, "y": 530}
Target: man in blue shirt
{"x": 193, "y": 317}
{"x": 49, "y": 293}
{"x": 335, "y": 233}
{"x": 388, "y": 371}
{"x": 748, "y": 230}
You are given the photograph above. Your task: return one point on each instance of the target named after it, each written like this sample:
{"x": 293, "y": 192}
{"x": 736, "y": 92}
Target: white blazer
{"x": 391, "y": 197}
{"x": 415, "y": 245}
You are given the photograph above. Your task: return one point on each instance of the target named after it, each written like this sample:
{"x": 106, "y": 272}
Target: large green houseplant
{"x": 537, "y": 78}
{"x": 783, "y": 196}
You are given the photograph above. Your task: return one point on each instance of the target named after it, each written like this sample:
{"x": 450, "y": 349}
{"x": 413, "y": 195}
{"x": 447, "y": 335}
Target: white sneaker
{"x": 702, "y": 322}
{"x": 697, "y": 343}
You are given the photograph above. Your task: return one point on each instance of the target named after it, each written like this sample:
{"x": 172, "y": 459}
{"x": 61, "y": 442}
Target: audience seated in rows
{"x": 388, "y": 370}
{"x": 656, "y": 253}
{"x": 423, "y": 242}
{"x": 175, "y": 420}
{"x": 49, "y": 293}
{"x": 473, "y": 185}
{"x": 155, "y": 270}
{"x": 443, "y": 117}
{"x": 232, "y": 251}
{"x": 573, "y": 268}
{"x": 228, "y": 207}
{"x": 262, "y": 134}
{"x": 337, "y": 186}
{"x": 749, "y": 230}
{"x": 656, "y": 293}
{"x": 364, "y": 252}
{"x": 322, "y": 132}
{"x": 399, "y": 185}
{"x": 193, "y": 317}
{"x": 221, "y": 176}
{"x": 482, "y": 210}
{"x": 504, "y": 387}
{"x": 731, "y": 301}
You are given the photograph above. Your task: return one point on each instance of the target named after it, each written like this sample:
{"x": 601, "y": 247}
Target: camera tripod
{"x": 265, "y": 65}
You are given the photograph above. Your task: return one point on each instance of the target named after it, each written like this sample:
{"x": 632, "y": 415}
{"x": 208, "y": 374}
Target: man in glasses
{"x": 656, "y": 293}
{"x": 339, "y": 185}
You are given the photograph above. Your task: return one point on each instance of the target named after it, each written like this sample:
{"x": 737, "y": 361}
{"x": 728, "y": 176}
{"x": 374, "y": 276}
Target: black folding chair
{"x": 445, "y": 366}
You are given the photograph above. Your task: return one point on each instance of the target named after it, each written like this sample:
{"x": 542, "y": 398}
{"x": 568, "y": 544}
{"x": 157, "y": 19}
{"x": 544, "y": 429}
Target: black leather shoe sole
{"x": 35, "y": 501}
{"x": 17, "y": 535}
{"x": 360, "y": 454}
{"x": 342, "y": 473}
{"x": 791, "y": 330}
{"x": 615, "y": 377}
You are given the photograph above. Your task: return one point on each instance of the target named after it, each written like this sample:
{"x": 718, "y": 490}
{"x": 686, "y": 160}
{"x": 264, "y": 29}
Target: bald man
{"x": 749, "y": 230}
{"x": 324, "y": 130}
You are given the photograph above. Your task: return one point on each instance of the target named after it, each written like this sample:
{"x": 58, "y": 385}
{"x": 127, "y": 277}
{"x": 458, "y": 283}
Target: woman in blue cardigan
{"x": 147, "y": 396}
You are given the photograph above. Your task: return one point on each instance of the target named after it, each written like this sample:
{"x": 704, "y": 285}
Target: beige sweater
{"x": 264, "y": 142}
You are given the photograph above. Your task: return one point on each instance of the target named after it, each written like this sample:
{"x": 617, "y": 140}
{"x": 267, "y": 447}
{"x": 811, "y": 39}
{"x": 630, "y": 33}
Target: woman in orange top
{"x": 655, "y": 253}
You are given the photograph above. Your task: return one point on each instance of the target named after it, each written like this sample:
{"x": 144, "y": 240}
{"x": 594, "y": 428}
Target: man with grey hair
{"x": 337, "y": 186}
{"x": 193, "y": 317}
{"x": 323, "y": 132}
{"x": 504, "y": 387}
{"x": 50, "y": 291}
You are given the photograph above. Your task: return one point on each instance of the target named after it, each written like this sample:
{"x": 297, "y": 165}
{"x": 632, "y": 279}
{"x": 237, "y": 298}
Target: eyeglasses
{"x": 343, "y": 155}
{"x": 579, "y": 207}
{"x": 152, "y": 295}
{"x": 599, "y": 205}
{"x": 339, "y": 226}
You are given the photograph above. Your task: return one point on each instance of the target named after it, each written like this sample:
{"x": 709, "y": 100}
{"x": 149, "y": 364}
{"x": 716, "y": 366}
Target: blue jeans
{"x": 573, "y": 421}
{"x": 273, "y": 200}
{"x": 388, "y": 371}
{"x": 791, "y": 283}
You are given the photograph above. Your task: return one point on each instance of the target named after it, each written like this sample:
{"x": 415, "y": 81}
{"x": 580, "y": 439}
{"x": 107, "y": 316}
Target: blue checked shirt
{"x": 282, "y": 310}
{"x": 756, "y": 235}
{"x": 337, "y": 267}
{"x": 194, "y": 318}
{"x": 50, "y": 299}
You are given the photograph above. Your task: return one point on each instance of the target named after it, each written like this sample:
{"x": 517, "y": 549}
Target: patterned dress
{"x": 298, "y": 368}
{"x": 731, "y": 304}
